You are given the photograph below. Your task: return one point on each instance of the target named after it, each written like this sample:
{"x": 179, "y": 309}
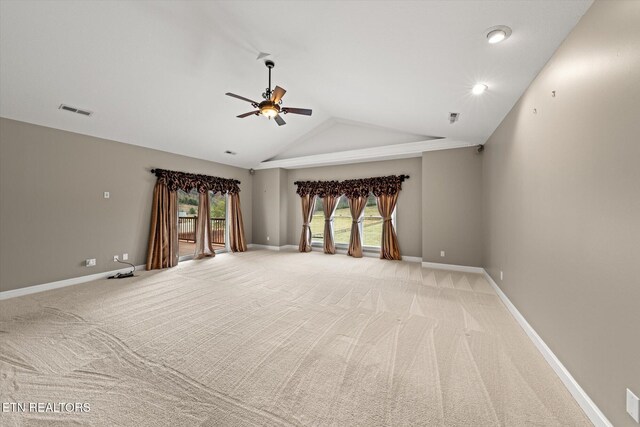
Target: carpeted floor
{"x": 278, "y": 338}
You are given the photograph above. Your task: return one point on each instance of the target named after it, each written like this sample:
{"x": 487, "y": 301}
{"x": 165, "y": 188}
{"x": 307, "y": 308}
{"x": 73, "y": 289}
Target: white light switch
{"x": 106, "y": 194}
{"x": 501, "y": 275}
{"x": 633, "y": 406}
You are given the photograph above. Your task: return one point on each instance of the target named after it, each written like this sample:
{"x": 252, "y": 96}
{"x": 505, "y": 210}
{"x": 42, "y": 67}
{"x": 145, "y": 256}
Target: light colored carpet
{"x": 268, "y": 338}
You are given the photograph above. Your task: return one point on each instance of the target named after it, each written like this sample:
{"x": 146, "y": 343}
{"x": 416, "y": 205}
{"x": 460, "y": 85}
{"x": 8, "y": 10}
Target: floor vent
{"x": 74, "y": 110}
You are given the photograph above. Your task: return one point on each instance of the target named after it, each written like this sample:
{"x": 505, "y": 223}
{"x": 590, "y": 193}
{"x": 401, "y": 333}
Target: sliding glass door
{"x": 188, "y": 220}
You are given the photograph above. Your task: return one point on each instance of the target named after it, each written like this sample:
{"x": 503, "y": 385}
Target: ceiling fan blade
{"x": 279, "y": 120}
{"x": 303, "y": 111}
{"x": 277, "y": 94}
{"x": 250, "y": 113}
{"x": 233, "y": 95}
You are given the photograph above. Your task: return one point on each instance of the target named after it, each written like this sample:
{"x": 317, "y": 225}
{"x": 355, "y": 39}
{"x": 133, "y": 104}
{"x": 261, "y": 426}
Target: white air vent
{"x": 74, "y": 110}
{"x": 453, "y": 117}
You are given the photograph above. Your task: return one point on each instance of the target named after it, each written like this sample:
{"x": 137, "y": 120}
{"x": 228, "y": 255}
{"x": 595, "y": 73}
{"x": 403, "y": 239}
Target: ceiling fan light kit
{"x": 270, "y": 107}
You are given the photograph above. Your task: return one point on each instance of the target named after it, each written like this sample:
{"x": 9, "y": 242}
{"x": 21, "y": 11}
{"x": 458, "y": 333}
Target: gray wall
{"x": 408, "y": 217}
{"x": 52, "y": 212}
{"x": 562, "y": 204}
{"x": 451, "y": 206}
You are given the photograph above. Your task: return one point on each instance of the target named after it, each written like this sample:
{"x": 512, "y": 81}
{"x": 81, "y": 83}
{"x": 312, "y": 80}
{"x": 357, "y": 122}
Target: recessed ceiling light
{"x": 479, "y": 88}
{"x": 498, "y": 33}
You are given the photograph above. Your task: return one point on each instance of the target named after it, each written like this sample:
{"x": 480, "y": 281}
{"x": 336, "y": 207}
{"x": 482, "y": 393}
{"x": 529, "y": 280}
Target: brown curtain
{"x": 308, "y": 205}
{"x": 356, "y": 206}
{"x": 236, "y": 226}
{"x": 330, "y": 204}
{"x": 204, "y": 248}
{"x": 162, "y": 251}
{"x": 389, "y": 248}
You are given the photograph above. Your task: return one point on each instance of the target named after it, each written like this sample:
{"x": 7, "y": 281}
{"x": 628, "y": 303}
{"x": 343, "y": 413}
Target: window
{"x": 342, "y": 222}
{"x": 187, "y": 218}
{"x": 372, "y": 223}
{"x": 218, "y": 213}
{"x": 317, "y": 222}
{"x": 370, "y": 226}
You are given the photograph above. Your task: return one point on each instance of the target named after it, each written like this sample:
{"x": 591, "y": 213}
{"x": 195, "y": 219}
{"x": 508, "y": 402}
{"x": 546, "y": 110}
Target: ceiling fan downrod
{"x": 270, "y": 64}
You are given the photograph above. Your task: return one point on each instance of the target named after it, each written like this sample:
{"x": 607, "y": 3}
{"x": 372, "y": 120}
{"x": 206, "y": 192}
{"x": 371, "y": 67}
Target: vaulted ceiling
{"x": 376, "y": 73}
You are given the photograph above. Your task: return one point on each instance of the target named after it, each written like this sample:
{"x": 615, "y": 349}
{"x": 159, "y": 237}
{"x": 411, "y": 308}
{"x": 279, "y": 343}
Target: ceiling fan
{"x": 270, "y": 107}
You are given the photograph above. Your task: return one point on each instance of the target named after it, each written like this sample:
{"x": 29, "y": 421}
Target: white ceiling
{"x": 155, "y": 73}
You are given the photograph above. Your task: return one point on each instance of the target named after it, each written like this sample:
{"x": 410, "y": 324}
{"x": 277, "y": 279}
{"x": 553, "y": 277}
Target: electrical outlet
{"x": 106, "y": 195}
{"x": 267, "y": 238}
{"x": 125, "y": 257}
{"x": 442, "y": 253}
{"x": 91, "y": 262}
{"x": 115, "y": 258}
{"x": 501, "y": 275}
{"x": 633, "y": 406}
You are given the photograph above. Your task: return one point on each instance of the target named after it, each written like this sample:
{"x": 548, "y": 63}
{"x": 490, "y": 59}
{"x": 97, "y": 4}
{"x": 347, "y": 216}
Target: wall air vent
{"x": 74, "y": 110}
{"x": 453, "y": 117}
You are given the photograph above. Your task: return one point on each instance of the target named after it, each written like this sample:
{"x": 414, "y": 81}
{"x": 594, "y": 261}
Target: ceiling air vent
{"x": 453, "y": 117}
{"x": 74, "y": 110}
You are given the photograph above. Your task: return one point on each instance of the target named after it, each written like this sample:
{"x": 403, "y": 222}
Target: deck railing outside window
{"x": 187, "y": 227}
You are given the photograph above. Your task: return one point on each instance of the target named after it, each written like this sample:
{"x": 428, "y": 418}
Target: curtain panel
{"x": 389, "y": 248}
{"x": 204, "y": 247}
{"x": 308, "y": 205}
{"x": 356, "y": 206}
{"x": 162, "y": 251}
{"x": 237, "y": 243}
{"x": 329, "y": 207}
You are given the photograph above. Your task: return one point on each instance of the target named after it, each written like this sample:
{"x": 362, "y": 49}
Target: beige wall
{"x": 451, "y": 206}
{"x": 408, "y": 216}
{"x": 562, "y": 204}
{"x": 52, "y": 212}
{"x": 284, "y": 206}
{"x": 269, "y": 202}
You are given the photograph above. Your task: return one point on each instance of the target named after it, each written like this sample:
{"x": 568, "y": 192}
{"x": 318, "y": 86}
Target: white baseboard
{"x": 268, "y": 247}
{"x": 365, "y": 253}
{"x": 63, "y": 283}
{"x": 588, "y": 406}
{"x": 453, "y": 267}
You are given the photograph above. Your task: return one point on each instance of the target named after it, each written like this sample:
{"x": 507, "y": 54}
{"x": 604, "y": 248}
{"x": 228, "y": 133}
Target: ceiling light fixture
{"x": 269, "y": 109}
{"x": 479, "y": 88}
{"x": 497, "y": 34}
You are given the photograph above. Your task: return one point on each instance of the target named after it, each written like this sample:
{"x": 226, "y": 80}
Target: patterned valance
{"x": 352, "y": 187}
{"x": 188, "y": 181}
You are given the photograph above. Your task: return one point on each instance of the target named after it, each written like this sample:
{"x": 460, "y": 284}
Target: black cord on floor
{"x": 123, "y": 275}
